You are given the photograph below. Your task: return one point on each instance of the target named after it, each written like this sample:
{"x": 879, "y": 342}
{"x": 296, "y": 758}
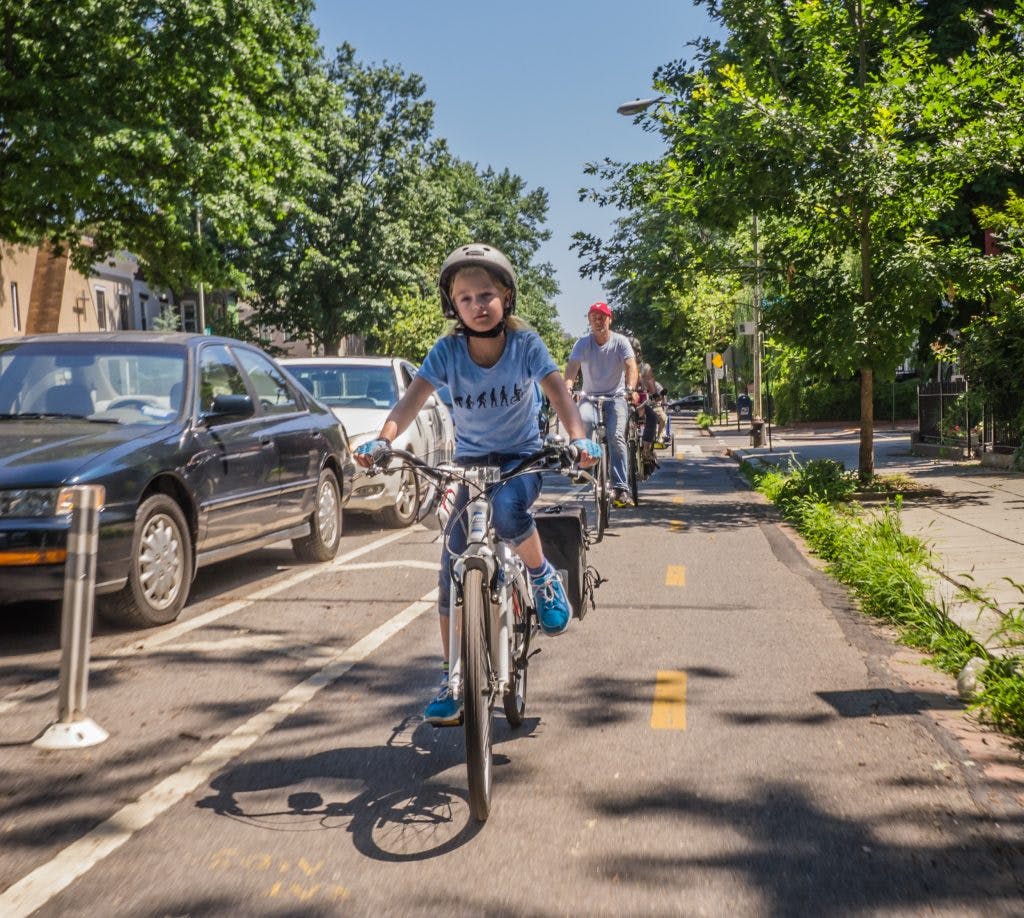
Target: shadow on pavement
{"x": 798, "y": 859}
{"x": 389, "y": 798}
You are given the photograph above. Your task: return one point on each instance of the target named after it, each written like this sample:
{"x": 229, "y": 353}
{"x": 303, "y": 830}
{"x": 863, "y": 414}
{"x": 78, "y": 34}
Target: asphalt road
{"x": 723, "y": 735}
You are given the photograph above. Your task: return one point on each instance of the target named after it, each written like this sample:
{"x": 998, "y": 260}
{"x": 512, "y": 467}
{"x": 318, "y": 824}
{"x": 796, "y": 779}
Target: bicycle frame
{"x": 502, "y": 568}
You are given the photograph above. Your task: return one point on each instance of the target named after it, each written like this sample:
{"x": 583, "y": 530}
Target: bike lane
{"x": 794, "y": 774}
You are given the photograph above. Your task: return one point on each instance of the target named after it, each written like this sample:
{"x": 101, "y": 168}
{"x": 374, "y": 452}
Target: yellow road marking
{"x": 676, "y": 525}
{"x": 675, "y": 575}
{"x": 668, "y": 712}
{"x": 678, "y": 499}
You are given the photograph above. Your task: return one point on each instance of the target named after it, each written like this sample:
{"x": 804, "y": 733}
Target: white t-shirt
{"x": 604, "y": 365}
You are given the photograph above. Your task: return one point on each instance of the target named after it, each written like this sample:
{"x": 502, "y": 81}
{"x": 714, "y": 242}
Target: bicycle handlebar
{"x": 566, "y": 456}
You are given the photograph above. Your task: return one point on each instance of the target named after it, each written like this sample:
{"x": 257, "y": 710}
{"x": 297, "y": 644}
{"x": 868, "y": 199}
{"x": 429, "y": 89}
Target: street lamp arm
{"x": 638, "y": 105}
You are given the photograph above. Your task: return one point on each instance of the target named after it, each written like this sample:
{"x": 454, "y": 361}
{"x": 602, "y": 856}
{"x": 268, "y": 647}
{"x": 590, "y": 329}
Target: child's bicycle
{"x": 489, "y": 643}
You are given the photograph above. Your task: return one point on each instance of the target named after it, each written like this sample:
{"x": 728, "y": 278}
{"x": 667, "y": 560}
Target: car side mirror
{"x": 229, "y": 408}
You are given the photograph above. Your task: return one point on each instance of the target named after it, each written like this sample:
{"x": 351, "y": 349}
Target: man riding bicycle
{"x": 609, "y": 369}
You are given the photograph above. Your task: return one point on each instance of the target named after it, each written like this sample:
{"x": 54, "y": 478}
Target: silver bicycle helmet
{"x": 477, "y": 255}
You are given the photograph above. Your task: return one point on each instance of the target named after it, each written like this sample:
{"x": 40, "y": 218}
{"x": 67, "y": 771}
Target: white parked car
{"x": 361, "y": 391}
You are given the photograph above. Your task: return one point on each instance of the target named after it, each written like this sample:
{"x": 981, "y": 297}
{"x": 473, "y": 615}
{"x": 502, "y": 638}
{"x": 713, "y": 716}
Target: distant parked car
{"x": 205, "y": 449}
{"x": 691, "y": 401}
{"x": 361, "y": 391}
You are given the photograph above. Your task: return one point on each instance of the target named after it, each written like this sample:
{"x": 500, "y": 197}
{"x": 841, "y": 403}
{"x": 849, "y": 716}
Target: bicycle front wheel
{"x": 478, "y": 699}
{"x": 601, "y": 499}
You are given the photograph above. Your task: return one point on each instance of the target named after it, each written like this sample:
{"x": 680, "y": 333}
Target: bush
{"x": 803, "y": 400}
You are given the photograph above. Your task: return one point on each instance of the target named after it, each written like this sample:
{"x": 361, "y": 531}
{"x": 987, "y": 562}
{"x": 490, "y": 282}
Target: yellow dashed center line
{"x": 678, "y": 499}
{"x": 675, "y": 575}
{"x": 668, "y": 712}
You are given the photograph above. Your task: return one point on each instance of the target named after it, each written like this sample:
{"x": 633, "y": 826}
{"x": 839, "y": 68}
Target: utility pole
{"x": 757, "y": 425}
{"x": 202, "y": 299}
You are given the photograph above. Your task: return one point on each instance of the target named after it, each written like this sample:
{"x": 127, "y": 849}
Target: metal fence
{"x": 946, "y": 416}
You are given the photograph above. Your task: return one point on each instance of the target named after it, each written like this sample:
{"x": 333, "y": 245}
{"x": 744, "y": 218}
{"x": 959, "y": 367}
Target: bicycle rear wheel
{"x": 477, "y": 698}
{"x": 514, "y": 699}
{"x": 635, "y": 469}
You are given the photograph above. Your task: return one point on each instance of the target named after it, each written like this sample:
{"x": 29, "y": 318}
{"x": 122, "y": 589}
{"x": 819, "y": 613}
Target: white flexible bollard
{"x": 73, "y": 729}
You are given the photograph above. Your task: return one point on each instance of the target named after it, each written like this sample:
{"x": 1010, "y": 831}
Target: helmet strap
{"x": 490, "y": 333}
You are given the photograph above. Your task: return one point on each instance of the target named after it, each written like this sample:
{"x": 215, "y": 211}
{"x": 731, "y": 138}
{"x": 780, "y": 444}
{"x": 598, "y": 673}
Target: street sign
{"x": 716, "y": 359}
{"x": 745, "y": 328}
{"x": 719, "y": 373}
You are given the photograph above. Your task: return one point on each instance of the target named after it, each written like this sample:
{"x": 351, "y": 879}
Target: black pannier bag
{"x": 563, "y": 534}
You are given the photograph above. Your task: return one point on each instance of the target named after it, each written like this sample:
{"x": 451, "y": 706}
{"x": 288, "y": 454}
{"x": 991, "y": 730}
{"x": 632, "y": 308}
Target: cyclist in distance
{"x": 489, "y": 361}
{"x": 609, "y": 368}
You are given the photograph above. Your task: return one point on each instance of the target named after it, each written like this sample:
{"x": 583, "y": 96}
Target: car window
{"x": 123, "y": 382}
{"x": 218, "y": 375}
{"x": 348, "y": 385}
{"x": 272, "y": 389}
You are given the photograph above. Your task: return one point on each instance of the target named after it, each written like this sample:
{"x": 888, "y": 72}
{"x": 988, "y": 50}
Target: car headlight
{"x": 28, "y": 503}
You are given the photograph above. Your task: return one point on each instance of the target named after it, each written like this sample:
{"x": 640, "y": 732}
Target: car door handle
{"x": 266, "y": 441}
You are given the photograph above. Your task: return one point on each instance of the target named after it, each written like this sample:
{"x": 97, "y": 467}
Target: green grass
{"x": 884, "y": 568}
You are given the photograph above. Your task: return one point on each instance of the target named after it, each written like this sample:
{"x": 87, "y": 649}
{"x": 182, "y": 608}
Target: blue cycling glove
{"x": 589, "y": 447}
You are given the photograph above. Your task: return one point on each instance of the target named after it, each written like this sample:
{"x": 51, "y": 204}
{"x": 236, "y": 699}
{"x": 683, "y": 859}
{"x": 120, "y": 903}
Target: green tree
{"x": 372, "y": 217}
{"x": 119, "y": 117}
{"x": 839, "y": 126}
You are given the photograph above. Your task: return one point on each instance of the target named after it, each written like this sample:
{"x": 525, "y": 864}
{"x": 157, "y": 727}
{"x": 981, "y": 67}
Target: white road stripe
{"x": 41, "y": 689}
{"x": 377, "y": 565}
{"x": 42, "y": 884}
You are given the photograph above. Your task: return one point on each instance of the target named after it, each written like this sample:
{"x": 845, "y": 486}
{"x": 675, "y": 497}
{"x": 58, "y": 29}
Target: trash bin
{"x": 744, "y": 406}
{"x": 757, "y": 432}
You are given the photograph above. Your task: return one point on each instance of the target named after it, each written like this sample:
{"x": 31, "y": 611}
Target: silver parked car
{"x": 361, "y": 391}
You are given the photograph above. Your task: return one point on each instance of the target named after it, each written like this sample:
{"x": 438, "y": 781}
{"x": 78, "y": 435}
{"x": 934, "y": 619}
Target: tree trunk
{"x": 866, "y": 460}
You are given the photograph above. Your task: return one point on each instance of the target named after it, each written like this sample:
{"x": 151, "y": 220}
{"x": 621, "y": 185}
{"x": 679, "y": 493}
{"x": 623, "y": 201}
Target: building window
{"x": 15, "y": 308}
{"x": 101, "y": 308}
{"x": 124, "y": 307}
{"x": 188, "y": 316}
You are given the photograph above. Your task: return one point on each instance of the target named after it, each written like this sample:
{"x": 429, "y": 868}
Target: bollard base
{"x": 75, "y": 735}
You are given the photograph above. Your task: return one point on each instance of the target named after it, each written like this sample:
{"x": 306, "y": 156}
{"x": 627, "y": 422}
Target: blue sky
{"x": 531, "y": 86}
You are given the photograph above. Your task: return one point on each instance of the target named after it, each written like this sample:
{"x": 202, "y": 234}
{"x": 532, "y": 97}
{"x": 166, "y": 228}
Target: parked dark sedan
{"x": 205, "y": 448}
{"x": 693, "y": 400}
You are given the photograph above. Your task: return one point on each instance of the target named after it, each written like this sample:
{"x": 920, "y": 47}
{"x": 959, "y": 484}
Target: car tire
{"x": 159, "y": 571}
{"x": 325, "y": 522}
{"x": 407, "y": 506}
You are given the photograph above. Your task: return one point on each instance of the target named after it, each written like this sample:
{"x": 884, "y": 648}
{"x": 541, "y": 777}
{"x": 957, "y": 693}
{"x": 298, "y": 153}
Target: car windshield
{"x": 348, "y": 385}
{"x": 121, "y": 382}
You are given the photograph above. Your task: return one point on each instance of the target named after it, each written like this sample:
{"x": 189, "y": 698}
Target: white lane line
{"x": 35, "y": 889}
{"x": 41, "y": 689}
{"x": 377, "y": 565}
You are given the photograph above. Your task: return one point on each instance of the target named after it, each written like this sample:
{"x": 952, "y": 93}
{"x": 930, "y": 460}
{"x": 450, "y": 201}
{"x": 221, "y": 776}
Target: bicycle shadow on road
{"x": 396, "y": 800}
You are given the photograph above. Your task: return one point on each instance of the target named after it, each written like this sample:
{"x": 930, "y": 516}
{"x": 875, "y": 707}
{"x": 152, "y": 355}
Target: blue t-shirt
{"x": 604, "y": 369}
{"x": 494, "y": 408}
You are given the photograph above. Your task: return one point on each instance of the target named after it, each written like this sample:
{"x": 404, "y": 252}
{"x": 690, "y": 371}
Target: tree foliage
{"x": 842, "y": 128}
{"x": 119, "y": 117}
{"x": 362, "y": 255}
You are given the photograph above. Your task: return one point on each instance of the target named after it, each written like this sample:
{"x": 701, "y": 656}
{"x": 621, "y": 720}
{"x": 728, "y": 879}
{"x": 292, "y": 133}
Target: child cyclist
{"x": 489, "y": 362}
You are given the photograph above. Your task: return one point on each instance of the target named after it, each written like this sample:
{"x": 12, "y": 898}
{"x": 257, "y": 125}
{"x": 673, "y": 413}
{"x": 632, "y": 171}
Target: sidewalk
{"x": 974, "y": 525}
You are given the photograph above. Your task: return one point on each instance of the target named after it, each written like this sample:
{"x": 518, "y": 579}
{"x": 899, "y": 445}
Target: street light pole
{"x": 202, "y": 298}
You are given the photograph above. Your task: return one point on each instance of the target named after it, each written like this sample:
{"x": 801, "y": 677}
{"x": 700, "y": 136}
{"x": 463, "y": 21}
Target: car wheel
{"x": 159, "y": 571}
{"x": 407, "y": 503}
{"x": 325, "y": 523}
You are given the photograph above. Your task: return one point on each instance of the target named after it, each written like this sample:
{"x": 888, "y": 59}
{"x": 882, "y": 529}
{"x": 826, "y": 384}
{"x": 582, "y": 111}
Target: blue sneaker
{"x": 444, "y": 711}
{"x": 552, "y": 604}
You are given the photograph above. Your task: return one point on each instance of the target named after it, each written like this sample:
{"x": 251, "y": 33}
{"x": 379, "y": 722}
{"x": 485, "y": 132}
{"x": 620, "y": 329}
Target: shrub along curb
{"x": 882, "y": 566}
